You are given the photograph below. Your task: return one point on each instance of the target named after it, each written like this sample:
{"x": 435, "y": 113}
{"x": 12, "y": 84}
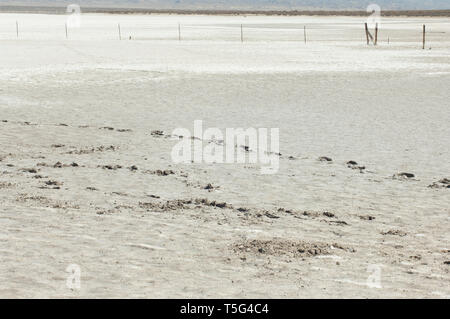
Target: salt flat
{"x": 93, "y": 100}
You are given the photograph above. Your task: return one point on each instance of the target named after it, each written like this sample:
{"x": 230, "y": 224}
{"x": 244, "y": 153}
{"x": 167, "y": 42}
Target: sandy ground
{"x": 86, "y": 179}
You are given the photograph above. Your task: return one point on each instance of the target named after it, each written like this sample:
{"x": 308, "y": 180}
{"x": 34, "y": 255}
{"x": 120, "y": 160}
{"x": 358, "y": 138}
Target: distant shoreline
{"x": 357, "y": 13}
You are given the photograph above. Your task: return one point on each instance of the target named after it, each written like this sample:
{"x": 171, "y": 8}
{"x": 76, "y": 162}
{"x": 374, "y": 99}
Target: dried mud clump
{"x": 272, "y": 216}
{"x": 60, "y": 165}
{"x": 107, "y": 211}
{"x": 394, "y": 232}
{"x": 207, "y": 202}
{"x": 29, "y": 170}
{"x": 56, "y": 165}
{"x": 354, "y": 165}
{"x": 133, "y": 168}
{"x": 110, "y": 167}
{"x": 305, "y": 213}
{"x": 53, "y": 183}
{"x": 443, "y": 183}
{"x": 366, "y": 217}
{"x": 159, "y": 172}
{"x": 165, "y": 206}
{"x": 157, "y": 133}
{"x": 178, "y": 204}
{"x": 328, "y": 214}
{"x": 64, "y": 205}
{"x": 93, "y": 150}
{"x": 210, "y": 187}
{"x": 50, "y": 184}
{"x": 23, "y": 198}
{"x": 4, "y": 185}
{"x": 279, "y": 247}
{"x": 325, "y": 159}
{"x": 46, "y": 202}
{"x": 403, "y": 176}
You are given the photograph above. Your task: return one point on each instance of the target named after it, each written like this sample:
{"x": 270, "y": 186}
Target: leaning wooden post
{"x": 423, "y": 38}
{"x": 376, "y": 34}
{"x": 17, "y": 29}
{"x": 304, "y": 33}
{"x": 242, "y": 33}
{"x": 367, "y": 33}
{"x": 120, "y": 33}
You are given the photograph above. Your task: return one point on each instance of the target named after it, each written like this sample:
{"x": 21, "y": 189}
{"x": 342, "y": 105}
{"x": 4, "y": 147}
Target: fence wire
{"x": 437, "y": 33}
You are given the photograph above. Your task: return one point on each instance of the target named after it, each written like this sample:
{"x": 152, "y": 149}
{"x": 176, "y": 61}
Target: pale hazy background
{"x": 247, "y": 4}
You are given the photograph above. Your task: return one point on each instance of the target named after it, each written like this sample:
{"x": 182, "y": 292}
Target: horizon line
{"x": 269, "y": 12}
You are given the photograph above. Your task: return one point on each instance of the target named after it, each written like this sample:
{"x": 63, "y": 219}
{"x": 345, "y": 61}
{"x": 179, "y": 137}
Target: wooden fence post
{"x": 376, "y": 34}
{"x": 423, "y": 38}
{"x": 304, "y": 33}
{"x": 367, "y": 32}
